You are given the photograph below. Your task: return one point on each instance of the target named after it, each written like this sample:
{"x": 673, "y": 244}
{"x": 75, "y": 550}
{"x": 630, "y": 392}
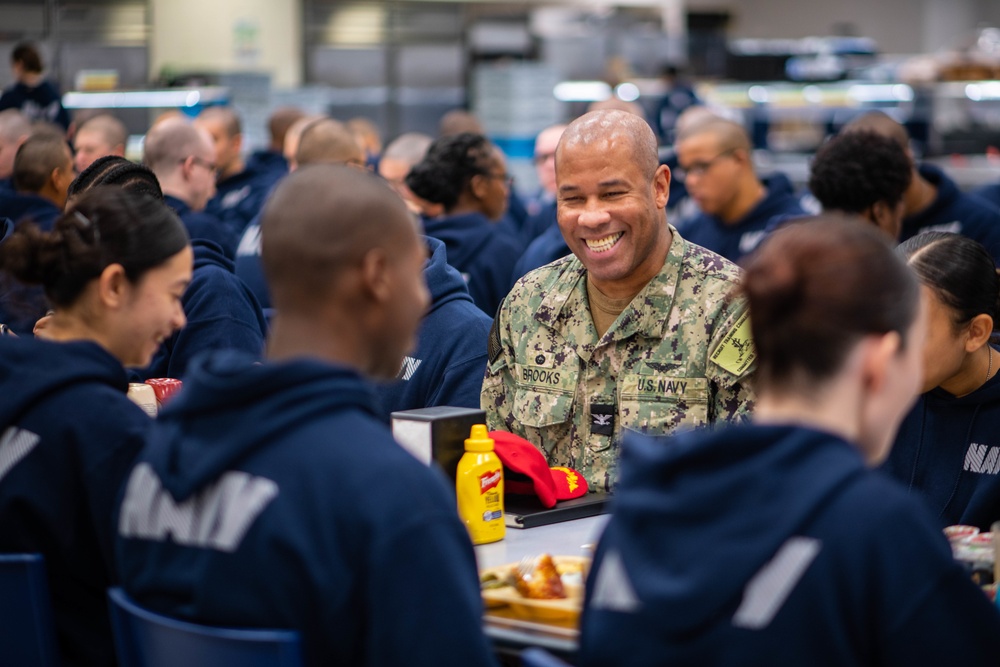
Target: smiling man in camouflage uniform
{"x": 635, "y": 330}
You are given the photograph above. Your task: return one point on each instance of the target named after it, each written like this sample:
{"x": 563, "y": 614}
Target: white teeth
{"x": 602, "y": 245}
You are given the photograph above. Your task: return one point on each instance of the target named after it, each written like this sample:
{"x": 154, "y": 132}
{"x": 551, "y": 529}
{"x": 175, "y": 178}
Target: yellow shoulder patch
{"x": 736, "y": 351}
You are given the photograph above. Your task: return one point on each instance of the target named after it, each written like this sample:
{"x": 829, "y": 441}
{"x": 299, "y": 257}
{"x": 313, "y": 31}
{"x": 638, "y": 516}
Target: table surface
{"x": 559, "y": 539}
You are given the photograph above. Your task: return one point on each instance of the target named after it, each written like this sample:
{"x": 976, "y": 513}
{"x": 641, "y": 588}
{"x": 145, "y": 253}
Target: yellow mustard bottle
{"x": 479, "y": 487}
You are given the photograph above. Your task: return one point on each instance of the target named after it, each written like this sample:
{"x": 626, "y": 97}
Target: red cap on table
{"x": 549, "y": 484}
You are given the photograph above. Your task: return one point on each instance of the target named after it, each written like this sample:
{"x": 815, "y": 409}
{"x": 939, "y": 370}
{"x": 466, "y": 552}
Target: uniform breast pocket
{"x": 658, "y": 404}
{"x": 541, "y": 409}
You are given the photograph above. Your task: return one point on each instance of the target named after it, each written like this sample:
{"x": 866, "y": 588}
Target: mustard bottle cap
{"x": 479, "y": 440}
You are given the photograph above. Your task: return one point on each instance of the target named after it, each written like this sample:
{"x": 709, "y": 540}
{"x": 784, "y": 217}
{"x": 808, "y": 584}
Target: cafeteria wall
{"x": 239, "y": 35}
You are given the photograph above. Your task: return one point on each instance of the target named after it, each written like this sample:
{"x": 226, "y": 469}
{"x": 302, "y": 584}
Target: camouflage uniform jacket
{"x": 679, "y": 355}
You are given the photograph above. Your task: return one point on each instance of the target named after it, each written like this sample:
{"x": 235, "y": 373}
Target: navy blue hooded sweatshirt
{"x": 222, "y": 314}
{"x": 19, "y": 206}
{"x": 271, "y": 496}
{"x": 448, "y": 365}
{"x": 22, "y": 305}
{"x": 774, "y": 545}
{"x": 955, "y": 211}
{"x": 70, "y": 436}
{"x": 240, "y": 197}
{"x": 248, "y": 266}
{"x": 547, "y": 248}
{"x": 947, "y": 451}
{"x": 204, "y": 225}
{"x": 481, "y": 252}
{"x": 269, "y": 162}
{"x": 990, "y": 193}
{"x": 735, "y": 240}
{"x": 41, "y": 102}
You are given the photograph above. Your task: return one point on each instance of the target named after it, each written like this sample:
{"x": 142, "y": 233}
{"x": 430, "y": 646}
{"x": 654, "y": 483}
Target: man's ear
{"x": 661, "y": 186}
{"x": 879, "y": 353}
{"x": 112, "y": 286}
{"x": 374, "y": 274}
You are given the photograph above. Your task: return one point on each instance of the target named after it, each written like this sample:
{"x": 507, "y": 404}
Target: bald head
{"x": 458, "y": 121}
{"x": 321, "y": 220}
{"x": 101, "y": 135}
{"x": 294, "y": 135}
{"x": 881, "y": 124}
{"x": 171, "y": 141}
{"x": 14, "y": 129}
{"x": 280, "y": 120}
{"x": 226, "y": 117}
{"x": 599, "y": 129}
{"x": 409, "y": 148}
{"x": 729, "y": 136}
{"x": 328, "y": 141}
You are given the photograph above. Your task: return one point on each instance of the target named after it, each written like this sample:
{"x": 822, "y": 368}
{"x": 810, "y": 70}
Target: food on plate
{"x": 539, "y": 581}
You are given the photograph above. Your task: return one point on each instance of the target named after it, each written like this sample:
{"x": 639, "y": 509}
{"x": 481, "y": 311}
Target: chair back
{"x": 147, "y": 639}
{"x": 27, "y": 631}
{"x": 538, "y": 657}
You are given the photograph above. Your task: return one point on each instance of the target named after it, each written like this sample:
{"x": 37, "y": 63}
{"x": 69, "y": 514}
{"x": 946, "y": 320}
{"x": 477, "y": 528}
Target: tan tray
{"x": 566, "y": 610}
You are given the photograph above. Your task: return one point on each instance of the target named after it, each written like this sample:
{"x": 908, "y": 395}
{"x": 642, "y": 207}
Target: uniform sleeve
{"x": 732, "y": 363}
{"x": 425, "y": 607}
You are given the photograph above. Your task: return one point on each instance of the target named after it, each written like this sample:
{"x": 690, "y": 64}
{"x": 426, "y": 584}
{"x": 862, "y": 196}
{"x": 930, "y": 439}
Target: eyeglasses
{"x": 211, "y": 166}
{"x": 699, "y": 168}
{"x": 507, "y": 179}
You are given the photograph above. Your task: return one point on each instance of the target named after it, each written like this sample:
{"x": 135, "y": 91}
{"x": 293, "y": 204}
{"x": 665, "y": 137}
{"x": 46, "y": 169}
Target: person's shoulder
{"x": 559, "y": 275}
{"x": 699, "y": 262}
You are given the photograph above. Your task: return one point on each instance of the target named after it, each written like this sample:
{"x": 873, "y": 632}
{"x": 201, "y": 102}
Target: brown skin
{"x": 956, "y": 356}
{"x": 604, "y": 191}
{"x": 345, "y": 267}
{"x": 728, "y": 188}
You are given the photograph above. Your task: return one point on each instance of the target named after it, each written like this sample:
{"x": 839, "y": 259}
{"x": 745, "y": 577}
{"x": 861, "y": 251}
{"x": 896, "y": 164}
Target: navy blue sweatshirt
{"x": 204, "y": 225}
{"x": 42, "y": 102}
{"x": 271, "y": 496}
{"x": 70, "y": 436}
{"x": 481, "y": 252}
{"x": 947, "y": 452}
{"x": 21, "y": 206}
{"x": 448, "y": 366}
{"x": 248, "y": 266}
{"x": 240, "y": 197}
{"x": 732, "y": 241}
{"x": 774, "y": 545}
{"x": 548, "y": 247}
{"x": 990, "y": 193}
{"x": 22, "y": 305}
{"x": 266, "y": 161}
{"x": 955, "y": 211}
{"x": 222, "y": 314}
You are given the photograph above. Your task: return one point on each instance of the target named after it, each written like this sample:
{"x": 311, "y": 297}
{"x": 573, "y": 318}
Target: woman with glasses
{"x": 467, "y": 175}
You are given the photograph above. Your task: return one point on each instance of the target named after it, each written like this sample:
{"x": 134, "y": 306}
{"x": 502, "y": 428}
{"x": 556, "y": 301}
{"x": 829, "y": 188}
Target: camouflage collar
{"x": 648, "y": 315}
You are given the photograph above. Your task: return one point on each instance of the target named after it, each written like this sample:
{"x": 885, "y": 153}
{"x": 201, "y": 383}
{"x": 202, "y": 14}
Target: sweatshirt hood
{"x": 443, "y": 280}
{"x": 38, "y": 368}
{"x": 947, "y": 193}
{"x": 210, "y": 253}
{"x": 720, "y": 502}
{"x": 463, "y": 235}
{"x": 207, "y": 428}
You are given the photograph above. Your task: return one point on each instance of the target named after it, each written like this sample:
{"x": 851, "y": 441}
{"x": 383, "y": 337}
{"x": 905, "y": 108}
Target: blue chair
{"x": 146, "y": 639}
{"x": 27, "y": 632}
{"x": 538, "y": 657}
